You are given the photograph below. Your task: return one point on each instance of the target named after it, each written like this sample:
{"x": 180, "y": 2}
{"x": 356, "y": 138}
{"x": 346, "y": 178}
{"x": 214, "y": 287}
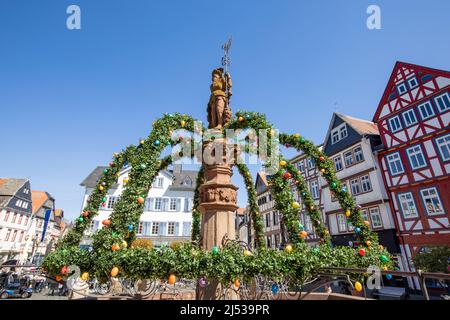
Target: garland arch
{"x": 230, "y": 262}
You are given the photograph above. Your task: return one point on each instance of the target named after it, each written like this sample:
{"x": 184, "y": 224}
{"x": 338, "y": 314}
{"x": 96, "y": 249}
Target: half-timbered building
{"x": 413, "y": 119}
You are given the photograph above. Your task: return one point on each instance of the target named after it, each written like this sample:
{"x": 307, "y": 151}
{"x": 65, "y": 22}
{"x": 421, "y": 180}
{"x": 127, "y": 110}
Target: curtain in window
{"x": 148, "y": 206}
{"x": 186, "y": 204}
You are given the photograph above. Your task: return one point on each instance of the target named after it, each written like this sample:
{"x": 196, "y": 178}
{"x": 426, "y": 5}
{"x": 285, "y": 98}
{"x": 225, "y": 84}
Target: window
{"x": 187, "y": 182}
{"x": 6, "y": 216}
{"x": 364, "y": 215}
{"x": 20, "y": 219}
{"x": 348, "y": 158}
{"x": 21, "y": 236}
{"x": 412, "y": 83}
{"x": 315, "y": 189}
{"x": 158, "y": 183}
{"x": 14, "y": 218}
{"x": 14, "y": 236}
{"x": 395, "y": 163}
{"x": 275, "y": 218}
{"x": 365, "y": 184}
{"x": 173, "y": 204}
{"x": 343, "y": 131}
{"x": 395, "y": 124}
{"x": 358, "y": 154}
{"x": 155, "y": 228}
{"x": 426, "y": 110}
{"x": 8, "y": 233}
{"x": 40, "y": 223}
{"x": 338, "y": 163}
{"x": 158, "y": 204}
{"x": 409, "y": 117}
{"x": 308, "y": 224}
{"x": 301, "y": 166}
{"x": 339, "y": 133}
{"x": 334, "y": 136}
{"x": 311, "y": 163}
{"x": 401, "y": 88}
{"x": 407, "y": 205}
{"x": 416, "y": 158}
{"x": 139, "y": 228}
{"x": 111, "y": 202}
{"x": 432, "y": 202}
{"x": 375, "y": 218}
{"x": 19, "y": 203}
{"x": 268, "y": 220}
{"x": 171, "y": 228}
{"x": 26, "y": 191}
{"x": 342, "y": 227}
{"x": 443, "y": 144}
{"x": 354, "y": 186}
{"x": 26, "y": 221}
{"x": 443, "y": 102}
{"x": 277, "y": 240}
{"x": 269, "y": 242}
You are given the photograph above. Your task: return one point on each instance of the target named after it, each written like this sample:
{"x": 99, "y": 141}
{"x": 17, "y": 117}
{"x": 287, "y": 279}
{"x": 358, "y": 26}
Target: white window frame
{"x": 435, "y": 196}
{"x": 416, "y": 152}
{"x": 441, "y": 97}
{"x": 351, "y": 156}
{"x": 360, "y": 152}
{"x": 139, "y": 228}
{"x": 421, "y": 109}
{"x": 338, "y": 160}
{"x": 174, "y": 202}
{"x": 341, "y": 223}
{"x": 155, "y": 226}
{"x": 408, "y": 115}
{"x": 402, "y": 85}
{"x": 412, "y": 86}
{"x": 366, "y": 180}
{"x": 158, "y": 201}
{"x": 396, "y": 127}
{"x": 111, "y": 202}
{"x": 339, "y": 133}
{"x": 357, "y": 184}
{"x": 398, "y": 160}
{"x": 375, "y": 211}
{"x": 301, "y": 166}
{"x": 444, "y": 143}
{"x": 311, "y": 163}
{"x": 408, "y": 205}
{"x": 315, "y": 189}
{"x": 171, "y": 225}
{"x": 158, "y": 183}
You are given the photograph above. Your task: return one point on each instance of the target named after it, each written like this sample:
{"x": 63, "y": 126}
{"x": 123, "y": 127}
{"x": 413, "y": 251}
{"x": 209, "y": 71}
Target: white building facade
{"x": 167, "y": 215}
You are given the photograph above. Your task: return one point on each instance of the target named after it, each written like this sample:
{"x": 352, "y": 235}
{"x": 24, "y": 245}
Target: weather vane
{"x": 226, "y": 59}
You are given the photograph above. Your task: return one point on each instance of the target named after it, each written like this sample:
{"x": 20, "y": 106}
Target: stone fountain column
{"x": 218, "y": 204}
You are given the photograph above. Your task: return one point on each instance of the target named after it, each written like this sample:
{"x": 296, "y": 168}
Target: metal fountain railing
{"x": 258, "y": 289}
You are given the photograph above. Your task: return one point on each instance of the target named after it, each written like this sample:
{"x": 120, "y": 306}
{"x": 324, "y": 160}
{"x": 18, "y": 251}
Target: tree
{"x": 435, "y": 259}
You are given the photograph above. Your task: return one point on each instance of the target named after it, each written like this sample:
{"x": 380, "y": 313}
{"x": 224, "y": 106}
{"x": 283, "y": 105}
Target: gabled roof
{"x": 91, "y": 180}
{"x": 38, "y": 199}
{"x": 9, "y": 186}
{"x": 303, "y": 155}
{"x": 179, "y": 179}
{"x": 362, "y": 127}
{"x": 393, "y": 79}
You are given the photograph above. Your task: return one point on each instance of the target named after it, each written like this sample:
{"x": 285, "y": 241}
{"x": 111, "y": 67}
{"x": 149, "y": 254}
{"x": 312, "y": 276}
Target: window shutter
{"x": 186, "y": 204}
{"x": 186, "y": 229}
{"x": 151, "y": 203}
{"x": 176, "y": 229}
{"x": 146, "y": 228}
{"x": 162, "y": 229}
{"x": 178, "y": 207}
{"x": 165, "y": 204}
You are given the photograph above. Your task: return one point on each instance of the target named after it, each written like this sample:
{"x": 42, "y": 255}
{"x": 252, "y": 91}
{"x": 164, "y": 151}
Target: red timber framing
{"x": 412, "y": 117}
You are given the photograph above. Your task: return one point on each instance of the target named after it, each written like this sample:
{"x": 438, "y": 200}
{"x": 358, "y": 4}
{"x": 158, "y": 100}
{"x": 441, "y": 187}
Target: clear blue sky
{"x": 70, "y": 98}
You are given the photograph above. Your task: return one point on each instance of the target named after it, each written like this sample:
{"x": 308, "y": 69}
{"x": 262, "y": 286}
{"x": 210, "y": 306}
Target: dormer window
{"x": 339, "y": 133}
{"x": 401, "y": 88}
{"x": 412, "y": 83}
{"x": 187, "y": 182}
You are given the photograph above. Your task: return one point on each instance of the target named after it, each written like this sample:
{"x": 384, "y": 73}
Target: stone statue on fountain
{"x": 219, "y": 111}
